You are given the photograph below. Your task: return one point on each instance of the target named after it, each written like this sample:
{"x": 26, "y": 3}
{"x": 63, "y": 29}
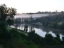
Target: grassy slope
{"x": 18, "y": 39}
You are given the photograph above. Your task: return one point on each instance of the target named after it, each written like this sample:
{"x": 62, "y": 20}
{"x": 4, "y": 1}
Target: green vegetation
{"x": 14, "y": 38}
{"x": 55, "y": 21}
{"x": 10, "y": 37}
{"x": 49, "y": 40}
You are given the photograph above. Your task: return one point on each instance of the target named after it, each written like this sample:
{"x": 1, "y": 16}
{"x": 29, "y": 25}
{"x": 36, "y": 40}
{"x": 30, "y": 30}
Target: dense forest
{"x": 15, "y": 38}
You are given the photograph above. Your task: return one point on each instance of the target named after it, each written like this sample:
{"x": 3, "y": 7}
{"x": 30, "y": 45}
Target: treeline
{"x": 56, "y": 21}
{"x": 46, "y": 12}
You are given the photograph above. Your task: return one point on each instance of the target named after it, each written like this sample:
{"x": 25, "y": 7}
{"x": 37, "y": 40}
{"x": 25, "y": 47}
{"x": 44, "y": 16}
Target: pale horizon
{"x": 26, "y": 6}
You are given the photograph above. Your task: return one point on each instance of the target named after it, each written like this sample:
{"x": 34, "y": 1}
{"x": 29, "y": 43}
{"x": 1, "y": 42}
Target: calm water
{"x": 40, "y": 30}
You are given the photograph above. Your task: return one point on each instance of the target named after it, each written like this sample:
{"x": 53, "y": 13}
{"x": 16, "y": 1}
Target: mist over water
{"x": 29, "y": 15}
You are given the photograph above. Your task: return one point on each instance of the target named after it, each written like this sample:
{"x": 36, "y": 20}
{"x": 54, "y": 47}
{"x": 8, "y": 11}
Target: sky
{"x": 25, "y": 6}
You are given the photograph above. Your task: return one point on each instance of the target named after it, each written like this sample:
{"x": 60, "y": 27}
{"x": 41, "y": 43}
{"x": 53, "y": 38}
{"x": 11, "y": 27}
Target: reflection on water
{"x": 53, "y": 34}
{"x": 42, "y": 31}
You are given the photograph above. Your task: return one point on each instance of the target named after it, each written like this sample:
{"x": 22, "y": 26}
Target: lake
{"x": 40, "y": 30}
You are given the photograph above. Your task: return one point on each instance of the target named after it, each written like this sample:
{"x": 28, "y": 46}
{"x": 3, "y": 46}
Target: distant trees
{"x": 17, "y": 22}
{"x": 55, "y": 21}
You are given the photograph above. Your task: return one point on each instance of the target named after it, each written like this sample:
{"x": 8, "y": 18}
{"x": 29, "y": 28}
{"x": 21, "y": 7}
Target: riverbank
{"x": 16, "y": 38}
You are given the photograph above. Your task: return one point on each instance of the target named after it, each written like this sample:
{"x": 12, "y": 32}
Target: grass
{"x": 1, "y": 46}
{"x": 17, "y": 39}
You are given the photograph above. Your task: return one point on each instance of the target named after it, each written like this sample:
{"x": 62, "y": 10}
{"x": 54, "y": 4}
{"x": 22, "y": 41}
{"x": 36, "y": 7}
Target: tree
{"x": 6, "y": 13}
{"x": 48, "y": 39}
{"x": 6, "y": 18}
{"x": 26, "y": 28}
